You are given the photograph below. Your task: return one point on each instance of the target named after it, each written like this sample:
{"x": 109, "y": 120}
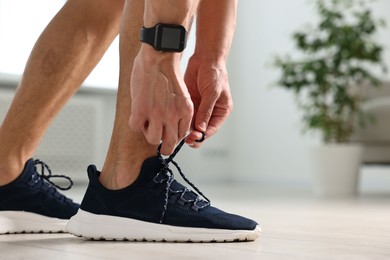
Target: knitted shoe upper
{"x": 33, "y": 192}
{"x": 158, "y": 198}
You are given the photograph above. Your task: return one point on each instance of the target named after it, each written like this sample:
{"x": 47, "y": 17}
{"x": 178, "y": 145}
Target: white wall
{"x": 268, "y": 144}
{"x": 21, "y": 27}
{"x": 262, "y": 141}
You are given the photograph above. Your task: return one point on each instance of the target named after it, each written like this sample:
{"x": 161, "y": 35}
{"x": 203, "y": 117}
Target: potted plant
{"x": 329, "y": 80}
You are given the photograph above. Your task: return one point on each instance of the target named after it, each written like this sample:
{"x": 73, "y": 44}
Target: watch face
{"x": 170, "y": 38}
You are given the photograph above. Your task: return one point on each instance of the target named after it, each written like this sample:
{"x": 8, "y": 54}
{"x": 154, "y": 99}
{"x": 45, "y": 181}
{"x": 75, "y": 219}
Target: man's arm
{"x": 216, "y": 23}
{"x": 169, "y": 11}
{"x": 161, "y": 105}
{"x": 206, "y": 75}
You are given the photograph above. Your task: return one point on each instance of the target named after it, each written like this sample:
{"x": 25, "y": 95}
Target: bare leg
{"x": 127, "y": 149}
{"x": 66, "y": 52}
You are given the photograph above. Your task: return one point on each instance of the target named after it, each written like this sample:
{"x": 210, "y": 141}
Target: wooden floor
{"x": 295, "y": 226}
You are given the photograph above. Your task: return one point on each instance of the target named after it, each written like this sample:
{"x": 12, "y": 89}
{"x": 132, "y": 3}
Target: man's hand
{"x": 161, "y": 105}
{"x": 208, "y": 84}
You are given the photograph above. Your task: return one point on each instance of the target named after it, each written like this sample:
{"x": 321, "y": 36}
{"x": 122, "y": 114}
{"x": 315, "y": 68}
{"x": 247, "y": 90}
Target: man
{"x": 135, "y": 196}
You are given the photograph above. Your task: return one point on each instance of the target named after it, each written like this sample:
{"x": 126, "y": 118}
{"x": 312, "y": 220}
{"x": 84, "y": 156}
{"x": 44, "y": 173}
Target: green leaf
{"x": 338, "y": 54}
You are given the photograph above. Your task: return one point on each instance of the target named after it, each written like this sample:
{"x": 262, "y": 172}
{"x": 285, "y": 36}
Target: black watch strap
{"x": 148, "y": 35}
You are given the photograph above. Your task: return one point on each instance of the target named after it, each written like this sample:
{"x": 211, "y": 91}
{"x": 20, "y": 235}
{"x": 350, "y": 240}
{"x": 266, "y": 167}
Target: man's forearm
{"x": 216, "y": 23}
{"x": 170, "y": 12}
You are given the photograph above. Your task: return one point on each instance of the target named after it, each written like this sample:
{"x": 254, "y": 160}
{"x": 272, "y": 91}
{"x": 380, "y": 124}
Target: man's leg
{"x": 127, "y": 149}
{"x": 66, "y": 52}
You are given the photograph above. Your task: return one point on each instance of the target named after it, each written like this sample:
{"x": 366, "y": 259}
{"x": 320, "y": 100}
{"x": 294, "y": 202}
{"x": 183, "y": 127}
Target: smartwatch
{"x": 165, "y": 37}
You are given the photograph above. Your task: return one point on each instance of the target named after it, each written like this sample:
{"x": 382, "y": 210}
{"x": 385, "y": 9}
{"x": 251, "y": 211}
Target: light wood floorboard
{"x": 295, "y": 226}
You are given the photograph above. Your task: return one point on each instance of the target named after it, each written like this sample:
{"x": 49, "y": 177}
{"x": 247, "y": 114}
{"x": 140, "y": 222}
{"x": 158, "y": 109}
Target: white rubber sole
{"x": 13, "y": 222}
{"x": 103, "y": 227}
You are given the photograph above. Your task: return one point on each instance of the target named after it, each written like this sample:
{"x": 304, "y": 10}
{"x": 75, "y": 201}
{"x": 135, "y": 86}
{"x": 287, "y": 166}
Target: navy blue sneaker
{"x": 156, "y": 208}
{"x": 32, "y": 203}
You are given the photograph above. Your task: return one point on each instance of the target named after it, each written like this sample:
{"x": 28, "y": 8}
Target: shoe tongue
{"x": 31, "y": 177}
{"x": 28, "y": 171}
{"x": 150, "y": 168}
{"x": 93, "y": 173}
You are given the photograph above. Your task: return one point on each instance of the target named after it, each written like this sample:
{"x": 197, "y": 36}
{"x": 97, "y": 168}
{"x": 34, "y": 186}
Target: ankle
{"x": 10, "y": 171}
{"x": 121, "y": 175}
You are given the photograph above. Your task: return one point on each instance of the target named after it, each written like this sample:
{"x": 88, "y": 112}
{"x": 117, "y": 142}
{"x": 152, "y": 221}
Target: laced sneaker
{"x": 156, "y": 208}
{"x": 32, "y": 203}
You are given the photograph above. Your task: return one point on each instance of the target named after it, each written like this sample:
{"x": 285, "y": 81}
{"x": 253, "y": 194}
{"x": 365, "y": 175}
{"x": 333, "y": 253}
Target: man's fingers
{"x": 195, "y": 139}
{"x": 204, "y": 113}
{"x": 200, "y": 140}
{"x": 184, "y": 126}
{"x": 215, "y": 124}
{"x": 136, "y": 124}
{"x": 153, "y": 132}
{"x": 169, "y": 140}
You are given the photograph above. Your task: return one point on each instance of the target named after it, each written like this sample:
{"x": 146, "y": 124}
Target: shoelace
{"x": 170, "y": 178}
{"x": 46, "y": 177}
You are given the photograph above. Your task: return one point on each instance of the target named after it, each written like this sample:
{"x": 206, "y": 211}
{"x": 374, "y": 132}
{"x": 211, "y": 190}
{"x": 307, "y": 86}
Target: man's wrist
{"x": 209, "y": 57}
{"x": 151, "y": 56}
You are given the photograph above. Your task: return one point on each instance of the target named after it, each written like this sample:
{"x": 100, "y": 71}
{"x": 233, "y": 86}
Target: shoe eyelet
{"x": 195, "y": 207}
{"x": 181, "y": 201}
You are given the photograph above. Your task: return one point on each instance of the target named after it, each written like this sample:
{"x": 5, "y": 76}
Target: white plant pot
{"x": 336, "y": 169}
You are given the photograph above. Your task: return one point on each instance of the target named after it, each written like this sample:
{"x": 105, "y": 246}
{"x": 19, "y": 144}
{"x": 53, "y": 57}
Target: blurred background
{"x": 262, "y": 143}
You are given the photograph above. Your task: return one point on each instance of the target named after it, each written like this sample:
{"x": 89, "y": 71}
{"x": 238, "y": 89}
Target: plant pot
{"x": 336, "y": 169}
